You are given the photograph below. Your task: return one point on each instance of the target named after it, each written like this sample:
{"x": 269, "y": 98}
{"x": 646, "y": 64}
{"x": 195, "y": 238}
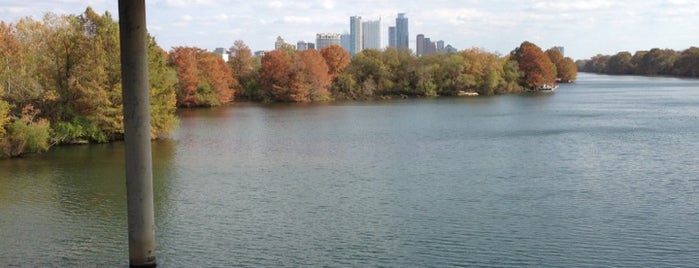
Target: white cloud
{"x": 554, "y": 6}
{"x": 222, "y": 17}
{"x": 297, "y": 19}
{"x": 189, "y": 3}
{"x": 276, "y": 4}
{"x": 328, "y": 4}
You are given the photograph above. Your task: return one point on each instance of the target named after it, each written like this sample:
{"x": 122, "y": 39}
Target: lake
{"x": 601, "y": 173}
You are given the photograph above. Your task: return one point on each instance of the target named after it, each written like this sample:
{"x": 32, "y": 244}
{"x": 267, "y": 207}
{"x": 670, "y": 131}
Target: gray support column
{"x": 139, "y": 166}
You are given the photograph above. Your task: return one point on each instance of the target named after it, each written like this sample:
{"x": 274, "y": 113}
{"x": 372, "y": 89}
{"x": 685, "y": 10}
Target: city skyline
{"x": 495, "y": 26}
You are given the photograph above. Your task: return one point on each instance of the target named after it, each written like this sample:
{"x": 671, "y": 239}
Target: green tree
{"x": 687, "y": 64}
{"x": 620, "y": 64}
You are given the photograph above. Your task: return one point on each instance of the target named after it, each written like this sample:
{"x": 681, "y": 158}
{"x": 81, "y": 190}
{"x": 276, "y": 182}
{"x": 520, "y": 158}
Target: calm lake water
{"x": 601, "y": 173}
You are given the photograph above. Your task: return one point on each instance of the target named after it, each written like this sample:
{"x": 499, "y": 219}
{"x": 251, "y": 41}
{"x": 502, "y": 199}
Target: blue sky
{"x": 584, "y": 28}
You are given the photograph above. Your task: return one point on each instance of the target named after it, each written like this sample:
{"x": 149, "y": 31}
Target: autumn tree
{"x": 204, "y": 78}
{"x": 337, "y": 60}
{"x": 163, "y": 99}
{"x": 620, "y": 64}
{"x": 315, "y": 73}
{"x": 658, "y": 62}
{"x": 566, "y": 70}
{"x": 244, "y": 68}
{"x": 277, "y": 78}
{"x": 61, "y": 77}
{"x": 687, "y": 64}
{"x": 537, "y": 68}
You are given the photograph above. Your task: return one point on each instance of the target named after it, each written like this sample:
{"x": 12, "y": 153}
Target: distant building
{"x": 345, "y": 40}
{"x": 324, "y": 40}
{"x": 279, "y": 43}
{"x": 311, "y": 45}
{"x": 402, "y": 34}
{"x": 355, "y": 35}
{"x": 301, "y": 45}
{"x": 371, "y": 31}
{"x": 561, "y": 49}
{"x": 450, "y": 50}
{"x": 424, "y": 46}
{"x": 420, "y": 45}
{"x": 222, "y": 52}
{"x": 392, "y": 41}
{"x": 440, "y": 46}
{"x": 260, "y": 53}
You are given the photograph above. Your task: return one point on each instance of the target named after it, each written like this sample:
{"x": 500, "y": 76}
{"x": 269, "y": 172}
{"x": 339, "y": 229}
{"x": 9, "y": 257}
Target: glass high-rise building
{"x": 371, "y": 31}
{"x": 345, "y": 41}
{"x": 324, "y": 40}
{"x": 355, "y": 35}
{"x": 392, "y": 36}
{"x": 402, "y": 35}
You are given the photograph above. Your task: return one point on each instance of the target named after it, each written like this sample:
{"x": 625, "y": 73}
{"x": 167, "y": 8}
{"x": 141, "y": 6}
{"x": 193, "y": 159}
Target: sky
{"x": 583, "y": 28}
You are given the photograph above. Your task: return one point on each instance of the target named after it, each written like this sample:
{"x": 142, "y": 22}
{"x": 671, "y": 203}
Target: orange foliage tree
{"x": 536, "y": 66}
{"x": 566, "y": 70}
{"x": 337, "y": 60}
{"x": 295, "y": 76}
{"x": 276, "y": 75}
{"x": 204, "y": 78}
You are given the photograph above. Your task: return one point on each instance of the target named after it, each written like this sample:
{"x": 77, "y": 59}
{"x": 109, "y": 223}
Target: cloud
{"x": 189, "y": 3}
{"x": 276, "y": 4}
{"x": 297, "y": 19}
{"x": 551, "y": 6}
{"x": 222, "y": 17}
{"x": 328, "y": 4}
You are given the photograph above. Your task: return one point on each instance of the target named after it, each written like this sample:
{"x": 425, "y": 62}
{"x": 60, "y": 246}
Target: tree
{"x": 244, "y": 68}
{"x": 204, "y": 78}
{"x": 337, "y": 60}
{"x": 163, "y": 98}
{"x": 687, "y": 64}
{"x": 316, "y": 75}
{"x": 537, "y": 68}
{"x": 277, "y": 78}
{"x": 620, "y": 64}
{"x": 658, "y": 62}
{"x": 566, "y": 70}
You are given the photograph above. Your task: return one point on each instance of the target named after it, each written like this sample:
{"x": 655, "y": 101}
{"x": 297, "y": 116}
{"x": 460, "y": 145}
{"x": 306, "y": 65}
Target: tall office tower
{"x": 430, "y": 47}
{"x": 372, "y": 34}
{"x": 345, "y": 41}
{"x": 279, "y": 43}
{"x": 402, "y": 35}
{"x": 392, "y": 36}
{"x": 324, "y": 40}
{"x": 440, "y": 46}
{"x": 420, "y": 45}
{"x": 301, "y": 45}
{"x": 355, "y": 35}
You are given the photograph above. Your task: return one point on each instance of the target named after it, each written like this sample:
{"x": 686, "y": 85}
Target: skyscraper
{"x": 355, "y": 35}
{"x": 324, "y": 40}
{"x": 392, "y": 42}
{"x": 279, "y": 43}
{"x": 440, "y": 46}
{"x": 420, "y": 45}
{"x": 371, "y": 31}
{"x": 402, "y": 35}
{"x": 345, "y": 41}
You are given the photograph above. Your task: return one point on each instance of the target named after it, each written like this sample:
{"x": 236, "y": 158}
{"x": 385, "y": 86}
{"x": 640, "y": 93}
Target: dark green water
{"x": 602, "y": 173}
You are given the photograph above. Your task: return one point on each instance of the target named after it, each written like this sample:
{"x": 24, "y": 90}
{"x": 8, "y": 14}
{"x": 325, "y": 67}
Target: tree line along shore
{"x": 654, "y": 62}
{"x": 60, "y": 80}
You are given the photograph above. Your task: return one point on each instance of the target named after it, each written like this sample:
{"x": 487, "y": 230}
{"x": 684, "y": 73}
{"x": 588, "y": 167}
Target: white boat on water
{"x": 544, "y": 88}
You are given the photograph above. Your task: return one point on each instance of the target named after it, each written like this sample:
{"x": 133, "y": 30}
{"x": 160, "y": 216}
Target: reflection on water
{"x": 600, "y": 173}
